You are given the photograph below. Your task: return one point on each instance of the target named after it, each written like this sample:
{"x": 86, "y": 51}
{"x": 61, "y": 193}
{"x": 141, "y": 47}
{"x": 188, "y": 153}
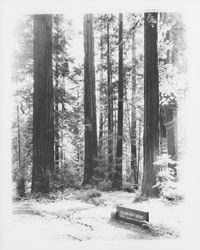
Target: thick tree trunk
{"x": 43, "y": 128}
{"x": 110, "y": 107}
{"x": 117, "y": 177}
{"x": 89, "y": 100}
{"x": 151, "y": 104}
{"x": 134, "y": 166}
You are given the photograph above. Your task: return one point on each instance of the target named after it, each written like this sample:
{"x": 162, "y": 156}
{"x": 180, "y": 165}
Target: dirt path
{"x": 76, "y": 220}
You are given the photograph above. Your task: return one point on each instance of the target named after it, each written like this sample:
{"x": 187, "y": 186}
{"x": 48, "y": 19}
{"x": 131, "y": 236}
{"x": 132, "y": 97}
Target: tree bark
{"x": 57, "y": 137}
{"x": 117, "y": 177}
{"x": 134, "y": 166}
{"x": 139, "y": 146}
{"x": 101, "y": 102}
{"x": 89, "y": 100}
{"x": 21, "y": 178}
{"x": 151, "y": 104}
{"x": 43, "y": 127}
{"x": 110, "y": 108}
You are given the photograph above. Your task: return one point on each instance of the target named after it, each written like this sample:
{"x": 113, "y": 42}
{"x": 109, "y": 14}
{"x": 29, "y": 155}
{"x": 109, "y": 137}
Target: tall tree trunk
{"x": 100, "y": 132}
{"x": 162, "y": 117}
{"x": 139, "y": 145}
{"x": 61, "y": 122}
{"x": 151, "y": 104}
{"x": 56, "y": 121}
{"x": 134, "y": 166}
{"x": 89, "y": 100}
{"x": 115, "y": 126}
{"x": 110, "y": 108}
{"x": 117, "y": 177}
{"x": 101, "y": 102}
{"x": 21, "y": 178}
{"x": 18, "y": 138}
{"x": 43, "y": 127}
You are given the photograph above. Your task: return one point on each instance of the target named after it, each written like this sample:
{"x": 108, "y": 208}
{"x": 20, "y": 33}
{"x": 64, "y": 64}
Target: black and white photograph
{"x": 98, "y": 138}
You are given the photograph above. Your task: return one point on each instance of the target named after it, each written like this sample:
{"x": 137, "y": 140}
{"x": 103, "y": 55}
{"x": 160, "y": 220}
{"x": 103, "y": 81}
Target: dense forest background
{"x": 98, "y": 102}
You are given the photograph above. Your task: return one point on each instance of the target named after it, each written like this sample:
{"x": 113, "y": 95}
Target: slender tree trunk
{"x": 151, "y": 104}
{"x": 61, "y": 145}
{"x": 43, "y": 128}
{"x": 139, "y": 146}
{"x": 89, "y": 100}
{"x": 56, "y": 86}
{"x": 101, "y": 102}
{"x": 162, "y": 117}
{"x": 21, "y": 178}
{"x": 18, "y": 138}
{"x": 56, "y": 122}
{"x": 115, "y": 127}
{"x": 134, "y": 166}
{"x": 100, "y": 132}
{"x": 61, "y": 141}
{"x": 117, "y": 177}
{"x": 110, "y": 108}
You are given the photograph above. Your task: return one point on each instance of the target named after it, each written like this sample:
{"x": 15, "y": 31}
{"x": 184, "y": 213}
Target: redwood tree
{"x": 101, "y": 118}
{"x": 134, "y": 166}
{"x": 89, "y": 100}
{"x": 117, "y": 177}
{"x": 43, "y": 128}
{"x": 21, "y": 179}
{"x": 110, "y": 103}
{"x": 151, "y": 103}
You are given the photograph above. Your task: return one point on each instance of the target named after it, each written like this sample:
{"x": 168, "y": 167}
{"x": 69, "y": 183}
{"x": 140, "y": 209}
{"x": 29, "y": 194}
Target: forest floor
{"x": 81, "y": 215}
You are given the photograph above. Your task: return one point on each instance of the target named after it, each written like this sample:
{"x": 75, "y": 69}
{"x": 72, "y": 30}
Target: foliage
{"x": 90, "y": 195}
{"x": 167, "y": 179}
{"x": 105, "y": 185}
{"x": 172, "y": 60}
{"x": 168, "y": 186}
{"x": 22, "y": 173}
{"x": 69, "y": 176}
{"x": 139, "y": 197}
{"x": 129, "y": 187}
{"x": 20, "y": 188}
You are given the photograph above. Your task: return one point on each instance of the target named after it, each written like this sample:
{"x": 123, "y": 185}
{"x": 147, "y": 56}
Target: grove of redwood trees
{"x": 73, "y": 100}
